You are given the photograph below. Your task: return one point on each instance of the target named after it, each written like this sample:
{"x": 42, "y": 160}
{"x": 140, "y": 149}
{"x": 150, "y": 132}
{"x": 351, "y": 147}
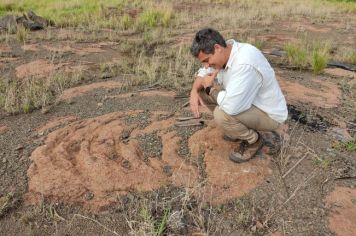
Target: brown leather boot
{"x": 246, "y": 151}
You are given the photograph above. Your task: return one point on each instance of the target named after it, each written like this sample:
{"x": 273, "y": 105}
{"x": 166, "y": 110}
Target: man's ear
{"x": 217, "y": 48}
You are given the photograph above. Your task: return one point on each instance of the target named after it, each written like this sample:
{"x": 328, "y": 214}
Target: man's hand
{"x": 195, "y": 101}
{"x": 208, "y": 80}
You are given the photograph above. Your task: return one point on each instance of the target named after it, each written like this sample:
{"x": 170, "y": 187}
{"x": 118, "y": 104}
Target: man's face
{"x": 215, "y": 60}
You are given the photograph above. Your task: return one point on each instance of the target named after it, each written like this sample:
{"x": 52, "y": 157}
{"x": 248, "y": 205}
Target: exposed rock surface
{"x": 93, "y": 161}
{"x": 29, "y": 20}
{"x": 328, "y": 96}
{"x": 342, "y": 202}
{"x": 38, "y": 68}
{"x": 77, "y": 91}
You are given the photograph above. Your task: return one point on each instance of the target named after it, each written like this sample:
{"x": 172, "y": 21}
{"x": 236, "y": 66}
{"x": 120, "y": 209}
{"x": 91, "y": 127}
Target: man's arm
{"x": 199, "y": 83}
{"x": 195, "y": 99}
{"x": 240, "y": 90}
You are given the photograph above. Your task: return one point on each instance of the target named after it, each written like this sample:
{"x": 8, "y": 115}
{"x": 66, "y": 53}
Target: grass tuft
{"x": 32, "y": 93}
{"x": 306, "y": 55}
{"x": 126, "y": 22}
{"x": 319, "y": 61}
{"x": 21, "y": 34}
{"x": 297, "y": 55}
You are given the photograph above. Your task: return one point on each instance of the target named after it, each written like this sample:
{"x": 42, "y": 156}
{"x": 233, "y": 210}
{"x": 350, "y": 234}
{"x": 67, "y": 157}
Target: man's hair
{"x": 204, "y": 41}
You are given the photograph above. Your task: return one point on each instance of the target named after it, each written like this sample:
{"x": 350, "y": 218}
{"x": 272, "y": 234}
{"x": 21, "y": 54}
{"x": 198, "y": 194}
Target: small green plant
{"x": 297, "y": 55}
{"x": 319, "y": 60}
{"x": 349, "y": 146}
{"x": 163, "y": 223}
{"x": 322, "y": 162}
{"x": 148, "y": 221}
{"x": 307, "y": 55}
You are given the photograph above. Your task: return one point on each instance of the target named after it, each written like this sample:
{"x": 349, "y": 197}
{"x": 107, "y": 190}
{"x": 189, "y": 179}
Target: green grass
{"x": 297, "y": 55}
{"x": 323, "y": 162}
{"x": 349, "y": 146}
{"x": 308, "y": 55}
{"x": 94, "y": 13}
{"x": 319, "y": 58}
{"x": 152, "y": 18}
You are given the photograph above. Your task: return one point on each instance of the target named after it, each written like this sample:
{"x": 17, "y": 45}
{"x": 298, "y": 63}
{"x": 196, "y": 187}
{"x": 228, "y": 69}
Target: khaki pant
{"x": 242, "y": 126}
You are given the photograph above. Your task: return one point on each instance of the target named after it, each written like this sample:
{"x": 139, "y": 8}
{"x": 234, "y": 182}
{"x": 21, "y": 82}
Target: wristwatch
{"x": 207, "y": 90}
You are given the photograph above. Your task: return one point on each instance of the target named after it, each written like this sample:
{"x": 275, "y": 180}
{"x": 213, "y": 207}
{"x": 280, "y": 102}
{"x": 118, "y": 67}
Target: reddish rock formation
{"x": 342, "y": 218}
{"x": 88, "y": 163}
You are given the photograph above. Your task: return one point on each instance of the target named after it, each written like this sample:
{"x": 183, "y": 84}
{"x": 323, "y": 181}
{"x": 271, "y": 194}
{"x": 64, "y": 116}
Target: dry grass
{"x": 346, "y": 55}
{"x": 32, "y": 93}
{"x": 177, "y": 71}
{"x": 21, "y": 34}
{"x": 153, "y": 55}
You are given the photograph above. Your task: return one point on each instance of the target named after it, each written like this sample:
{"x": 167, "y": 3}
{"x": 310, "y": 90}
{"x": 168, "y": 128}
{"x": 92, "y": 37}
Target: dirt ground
{"x": 106, "y": 161}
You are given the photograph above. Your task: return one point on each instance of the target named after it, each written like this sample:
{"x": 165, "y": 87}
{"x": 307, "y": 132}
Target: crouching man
{"x": 239, "y": 86}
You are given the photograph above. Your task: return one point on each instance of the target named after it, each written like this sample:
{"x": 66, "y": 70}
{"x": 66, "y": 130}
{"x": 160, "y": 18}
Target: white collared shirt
{"x": 248, "y": 79}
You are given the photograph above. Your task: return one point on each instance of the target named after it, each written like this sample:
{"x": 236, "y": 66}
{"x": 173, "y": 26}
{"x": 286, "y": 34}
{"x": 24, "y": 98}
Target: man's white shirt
{"x": 248, "y": 79}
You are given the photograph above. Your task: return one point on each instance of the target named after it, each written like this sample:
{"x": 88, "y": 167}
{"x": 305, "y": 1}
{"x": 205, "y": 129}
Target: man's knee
{"x": 220, "y": 117}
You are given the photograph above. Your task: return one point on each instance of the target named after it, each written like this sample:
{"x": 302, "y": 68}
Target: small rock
{"x": 8, "y": 23}
{"x": 4, "y": 160}
{"x": 167, "y": 170}
{"x": 105, "y": 98}
{"x": 340, "y": 134}
{"x": 126, "y": 164}
{"x": 100, "y": 104}
{"x": 125, "y": 134}
{"x": 19, "y": 147}
{"x": 45, "y": 110}
{"x": 130, "y": 197}
{"x": 70, "y": 101}
{"x": 106, "y": 76}
{"x": 259, "y": 225}
{"x": 113, "y": 156}
{"x": 88, "y": 196}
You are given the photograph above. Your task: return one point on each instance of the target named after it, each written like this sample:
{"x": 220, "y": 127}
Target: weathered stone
{"x": 8, "y": 23}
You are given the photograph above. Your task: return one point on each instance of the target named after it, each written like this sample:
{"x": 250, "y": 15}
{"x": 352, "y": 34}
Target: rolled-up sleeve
{"x": 204, "y": 71}
{"x": 240, "y": 90}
